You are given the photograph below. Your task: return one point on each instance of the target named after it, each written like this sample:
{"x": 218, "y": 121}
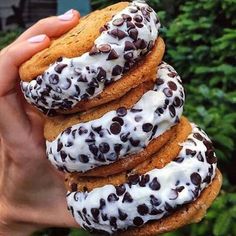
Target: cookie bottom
{"x": 190, "y": 213}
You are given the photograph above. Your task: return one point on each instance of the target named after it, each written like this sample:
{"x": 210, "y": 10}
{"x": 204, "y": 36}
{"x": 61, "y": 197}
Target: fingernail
{"x": 66, "y": 16}
{"x": 37, "y": 39}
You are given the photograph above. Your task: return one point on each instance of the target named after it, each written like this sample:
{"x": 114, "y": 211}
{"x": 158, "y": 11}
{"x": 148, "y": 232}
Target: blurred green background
{"x": 201, "y": 45}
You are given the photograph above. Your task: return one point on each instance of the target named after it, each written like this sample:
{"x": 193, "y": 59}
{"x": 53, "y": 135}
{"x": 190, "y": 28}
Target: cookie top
{"x": 74, "y": 43}
{"x": 124, "y": 40}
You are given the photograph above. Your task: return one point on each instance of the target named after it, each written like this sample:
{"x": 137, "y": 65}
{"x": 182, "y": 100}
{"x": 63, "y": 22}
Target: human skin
{"x": 32, "y": 193}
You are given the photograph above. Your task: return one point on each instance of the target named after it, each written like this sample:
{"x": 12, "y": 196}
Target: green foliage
{"x": 7, "y": 37}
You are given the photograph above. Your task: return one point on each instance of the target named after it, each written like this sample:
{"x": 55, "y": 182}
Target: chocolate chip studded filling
{"x": 123, "y": 42}
{"x": 121, "y": 132}
{"x": 151, "y": 196}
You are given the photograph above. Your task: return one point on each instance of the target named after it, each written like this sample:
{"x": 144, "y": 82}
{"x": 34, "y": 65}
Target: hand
{"x": 32, "y": 193}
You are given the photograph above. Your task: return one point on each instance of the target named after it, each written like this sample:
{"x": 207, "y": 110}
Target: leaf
{"x": 222, "y": 224}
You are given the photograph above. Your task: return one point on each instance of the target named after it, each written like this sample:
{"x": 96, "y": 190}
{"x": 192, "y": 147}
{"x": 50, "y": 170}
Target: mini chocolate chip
{"x": 118, "y": 22}
{"x": 167, "y": 92}
{"x": 121, "y": 111}
{"x": 97, "y": 129}
{"x": 168, "y": 207}
{"x": 122, "y": 215}
{"x": 100, "y": 158}
{"x": 200, "y": 157}
{"x": 139, "y": 25}
{"x": 128, "y": 56}
{"x": 59, "y": 68}
{"x": 119, "y": 120}
{"x": 94, "y": 51}
{"x": 211, "y": 158}
{"x": 117, "y": 70}
{"x": 104, "y": 217}
{"x": 104, "y": 147}
{"x": 126, "y": 17}
{"x": 196, "y": 178}
{"x": 120, "y": 190}
{"x": 90, "y": 90}
{"x": 133, "y": 33}
{"x": 83, "y": 158}
{"x": 93, "y": 149}
{"x": 53, "y": 79}
{"x": 113, "y": 222}
{"x": 133, "y": 10}
{"x": 59, "y": 145}
{"x": 124, "y": 137}
{"x": 73, "y": 187}
{"x": 134, "y": 142}
{"x": 82, "y": 130}
{"x": 138, "y": 18}
{"x": 133, "y": 179}
{"x": 138, "y": 221}
{"x": 207, "y": 179}
{"x": 127, "y": 198}
{"x": 105, "y": 48}
{"x": 154, "y": 201}
{"x": 177, "y": 102}
{"x": 142, "y": 209}
{"x": 155, "y": 185}
{"x": 101, "y": 76}
{"x": 190, "y": 152}
{"x": 117, "y": 148}
{"x": 115, "y": 128}
{"x": 130, "y": 25}
{"x": 134, "y": 110}
{"x": 69, "y": 144}
{"x": 180, "y": 189}
{"x": 198, "y": 136}
{"x": 82, "y": 78}
{"x": 77, "y": 89}
{"x": 138, "y": 118}
{"x": 129, "y": 46}
{"x": 172, "y": 111}
{"x": 63, "y": 155}
{"x": 68, "y": 131}
{"x": 149, "y": 9}
{"x": 179, "y": 159}
{"x": 84, "y": 210}
{"x": 172, "y": 75}
{"x": 112, "y": 198}
{"x": 112, "y": 55}
{"x": 172, "y": 85}
{"x": 144, "y": 180}
{"x": 155, "y": 211}
{"x": 118, "y": 33}
{"x": 143, "y": 44}
{"x": 147, "y": 127}
{"x": 159, "y": 110}
{"x": 95, "y": 212}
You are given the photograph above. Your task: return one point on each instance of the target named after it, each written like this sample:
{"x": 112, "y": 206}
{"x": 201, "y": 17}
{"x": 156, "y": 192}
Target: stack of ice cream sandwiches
{"x": 133, "y": 164}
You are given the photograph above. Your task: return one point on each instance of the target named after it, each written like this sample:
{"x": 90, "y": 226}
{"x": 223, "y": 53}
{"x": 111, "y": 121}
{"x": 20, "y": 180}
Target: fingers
{"x": 52, "y": 26}
{"x": 14, "y": 57}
